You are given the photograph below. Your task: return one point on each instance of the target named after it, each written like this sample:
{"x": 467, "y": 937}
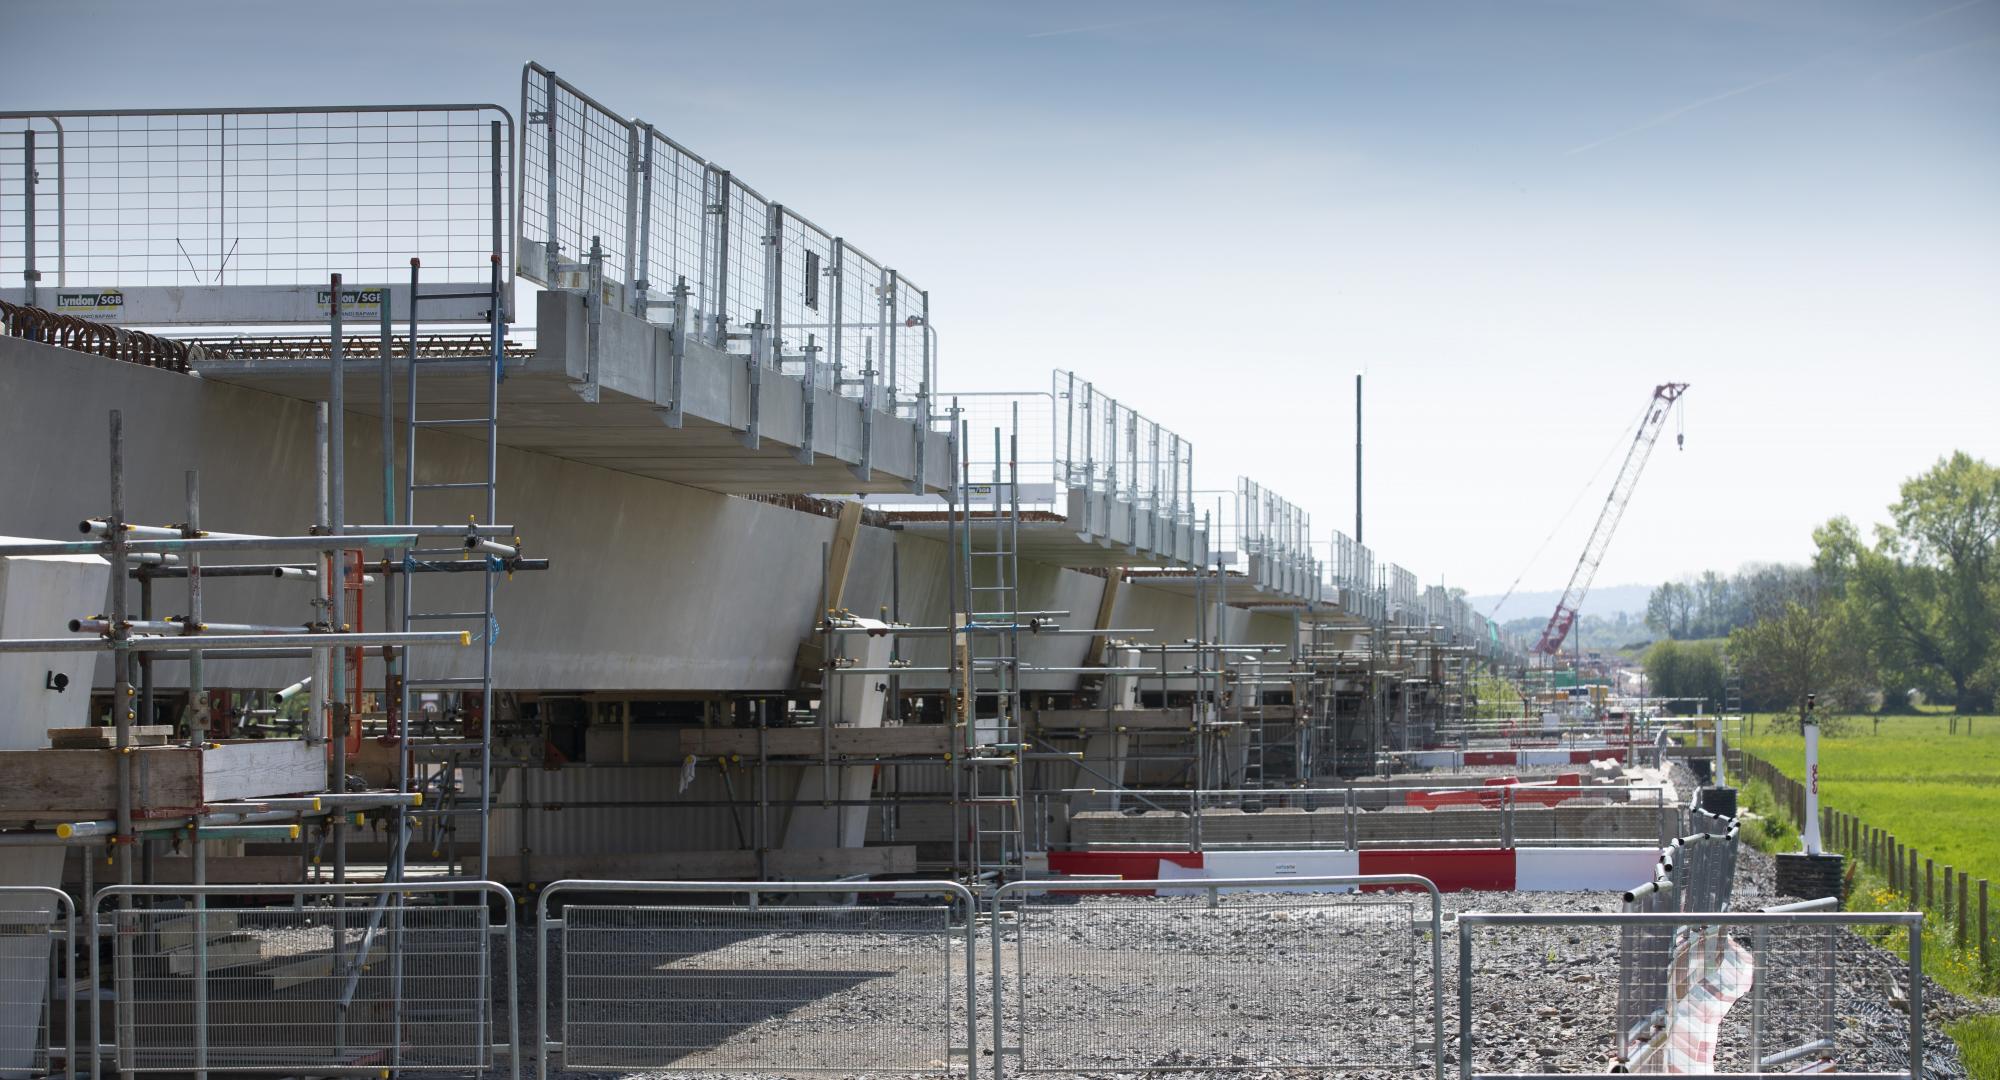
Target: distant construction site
{"x": 487, "y": 591}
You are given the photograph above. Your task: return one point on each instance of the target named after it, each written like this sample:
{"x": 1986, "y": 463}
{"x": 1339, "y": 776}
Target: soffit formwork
{"x": 722, "y": 432}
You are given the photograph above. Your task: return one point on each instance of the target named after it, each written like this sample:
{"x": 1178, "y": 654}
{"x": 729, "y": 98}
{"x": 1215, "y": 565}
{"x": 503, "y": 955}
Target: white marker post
{"x": 1812, "y": 780}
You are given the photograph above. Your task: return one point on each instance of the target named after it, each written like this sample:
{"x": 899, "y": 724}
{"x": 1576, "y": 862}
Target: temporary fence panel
{"x": 314, "y": 978}
{"x": 1088, "y": 980}
{"x": 1689, "y": 992}
{"x": 672, "y": 979}
{"x": 256, "y": 197}
{"x": 37, "y": 936}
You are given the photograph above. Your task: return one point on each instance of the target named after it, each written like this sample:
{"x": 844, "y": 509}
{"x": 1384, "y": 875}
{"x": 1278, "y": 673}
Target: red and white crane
{"x": 1665, "y": 396}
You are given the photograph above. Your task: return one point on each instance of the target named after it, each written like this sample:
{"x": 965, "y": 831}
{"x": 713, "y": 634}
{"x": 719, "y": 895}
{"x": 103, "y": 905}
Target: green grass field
{"x": 1936, "y": 791}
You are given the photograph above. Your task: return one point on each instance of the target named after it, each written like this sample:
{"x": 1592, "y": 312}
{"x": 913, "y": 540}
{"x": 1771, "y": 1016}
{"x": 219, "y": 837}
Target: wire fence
{"x": 1960, "y": 907}
{"x": 279, "y": 977}
{"x": 194, "y": 197}
{"x": 761, "y": 279}
{"x": 37, "y": 947}
{"x": 1336, "y": 979}
{"x": 707, "y": 977}
{"x": 1759, "y": 993}
{"x": 1104, "y": 447}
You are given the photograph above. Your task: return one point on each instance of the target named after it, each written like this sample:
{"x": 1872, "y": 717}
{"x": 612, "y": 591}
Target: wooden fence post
{"x": 1963, "y": 912}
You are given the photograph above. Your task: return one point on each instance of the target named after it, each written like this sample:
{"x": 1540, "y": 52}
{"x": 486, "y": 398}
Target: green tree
{"x": 1670, "y": 609}
{"x": 1677, "y": 669}
{"x": 1927, "y": 593}
{"x": 1803, "y": 642}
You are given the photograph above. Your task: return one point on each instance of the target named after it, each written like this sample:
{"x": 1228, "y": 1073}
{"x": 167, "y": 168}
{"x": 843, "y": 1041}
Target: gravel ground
{"x": 1265, "y": 987}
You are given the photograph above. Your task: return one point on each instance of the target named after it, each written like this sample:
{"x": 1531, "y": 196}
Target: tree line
{"x": 1909, "y": 611}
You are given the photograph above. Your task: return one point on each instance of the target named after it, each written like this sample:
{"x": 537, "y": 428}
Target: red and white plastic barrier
{"x": 1550, "y": 869}
{"x": 1549, "y": 755}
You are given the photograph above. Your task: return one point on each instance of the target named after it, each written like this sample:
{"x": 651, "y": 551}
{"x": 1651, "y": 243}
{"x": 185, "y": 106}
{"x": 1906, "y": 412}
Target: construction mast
{"x": 1665, "y": 396}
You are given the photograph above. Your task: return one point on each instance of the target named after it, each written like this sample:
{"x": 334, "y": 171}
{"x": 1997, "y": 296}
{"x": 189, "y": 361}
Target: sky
{"x": 1515, "y": 218}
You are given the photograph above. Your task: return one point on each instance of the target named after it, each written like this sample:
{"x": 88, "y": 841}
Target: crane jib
{"x": 1665, "y": 396}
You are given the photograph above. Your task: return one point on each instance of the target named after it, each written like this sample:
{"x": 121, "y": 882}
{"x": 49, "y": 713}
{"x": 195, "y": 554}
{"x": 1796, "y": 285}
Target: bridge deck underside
{"x": 540, "y": 411}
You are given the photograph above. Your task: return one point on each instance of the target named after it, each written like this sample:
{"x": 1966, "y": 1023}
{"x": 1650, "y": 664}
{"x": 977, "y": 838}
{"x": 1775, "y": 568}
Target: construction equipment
{"x": 1665, "y": 396}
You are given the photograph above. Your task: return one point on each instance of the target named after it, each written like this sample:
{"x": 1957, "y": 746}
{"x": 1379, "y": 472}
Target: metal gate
{"x": 1251, "y": 973}
{"x": 714, "y": 977}
{"x": 320, "y": 978}
{"x": 36, "y": 922}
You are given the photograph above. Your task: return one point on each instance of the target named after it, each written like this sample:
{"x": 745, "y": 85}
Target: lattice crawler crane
{"x": 1665, "y": 397}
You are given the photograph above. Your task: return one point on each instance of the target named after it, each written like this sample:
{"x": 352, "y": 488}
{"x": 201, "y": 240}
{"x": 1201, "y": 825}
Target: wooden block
{"x": 258, "y": 767}
{"x": 81, "y": 785}
{"x": 99, "y": 738}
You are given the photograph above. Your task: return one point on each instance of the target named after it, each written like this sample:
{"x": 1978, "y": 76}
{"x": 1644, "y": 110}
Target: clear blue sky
{"x": 1517, "y": 217}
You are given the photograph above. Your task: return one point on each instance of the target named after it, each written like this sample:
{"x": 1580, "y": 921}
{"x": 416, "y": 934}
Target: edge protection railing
{"x": 252, "y": 197}
{"x": 666, "y": 227}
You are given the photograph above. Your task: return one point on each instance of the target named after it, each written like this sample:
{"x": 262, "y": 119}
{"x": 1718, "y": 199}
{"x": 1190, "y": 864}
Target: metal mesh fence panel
{"x": 1106, "y": 447}
{"x": 253, "y": 196}
{"x": 1255, "y": 980}
{"x": 1031, "y": 419}
{"x": 799, "y": 987}
{"x": 676, "y": 215}
{"x": 36, "y": 935}
{"x": 909, "y": 340}
{"x": 326, "y": 980}
{"x": 785, "y": 988}
{"x": 744, "y": 251}
{"x": 805, "y": 301}
{"x": 41, "y": 167}
{"x": 576, "y": 174}
{"x": 864, "y": 337}
{"x": 1694, "y": 993}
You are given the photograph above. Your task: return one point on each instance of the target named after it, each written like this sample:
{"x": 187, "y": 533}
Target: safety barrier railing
{"x": 1534, "y": 996}
{"x": 1030, "y": 419}
{"x": 1353, "y": 818}
{"x": 666, "y": 229}
{"x": 1104, "y": 447}
{"x": 669, "y": 977}
{"x": 1348, "y": 974}
{"x": 37, "y": 981}
{"x": 1362, "y": 589}
{"x": 310, "y": 978}
{"x": 118, "y": 199}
